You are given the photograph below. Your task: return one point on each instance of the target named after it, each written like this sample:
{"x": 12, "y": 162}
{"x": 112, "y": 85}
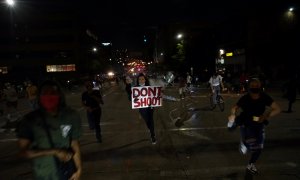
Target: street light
{"x": 10, "y": 3}
{"x": 179, "y": 36}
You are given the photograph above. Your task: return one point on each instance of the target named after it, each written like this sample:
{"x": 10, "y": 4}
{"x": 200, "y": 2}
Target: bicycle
{"x": 220, "y": 102}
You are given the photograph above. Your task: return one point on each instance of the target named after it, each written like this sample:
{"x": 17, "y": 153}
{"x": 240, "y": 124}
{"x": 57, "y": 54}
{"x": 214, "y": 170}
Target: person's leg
{"x": 147, "y": 115}
{"x": 254, "y": 156}
{"x": 180, "y": 92}
{"x": 97, "y": 117}
{"x": 256, "y": 146}
{"x": 89, "y": 116}
{"x": 151, "y": 122}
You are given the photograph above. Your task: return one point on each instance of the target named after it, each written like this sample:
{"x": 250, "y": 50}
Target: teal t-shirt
{"x": 64, "y": 127}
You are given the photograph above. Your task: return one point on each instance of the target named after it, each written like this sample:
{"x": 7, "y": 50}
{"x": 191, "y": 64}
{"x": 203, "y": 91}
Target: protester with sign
{"x": 146, "y": 96}
{"x": 146, "y": 112}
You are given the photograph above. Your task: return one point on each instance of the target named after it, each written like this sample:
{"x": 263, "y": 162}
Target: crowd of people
{"x": 55, "y": 129}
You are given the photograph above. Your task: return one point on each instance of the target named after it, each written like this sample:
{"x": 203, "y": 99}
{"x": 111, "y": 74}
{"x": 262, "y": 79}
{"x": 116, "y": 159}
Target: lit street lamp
{"x": 179, "y": 36}
{"x": 10, "y": 3}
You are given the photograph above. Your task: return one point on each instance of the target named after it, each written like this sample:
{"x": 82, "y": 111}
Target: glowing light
{"x": 110, "y": 74}
{"x": 10, "y": 2}
{"x": 229, "y": 54}
{"x": 222, "y": 51}
{"x": 106, "y": 44}
{"x": 179, "y": 36}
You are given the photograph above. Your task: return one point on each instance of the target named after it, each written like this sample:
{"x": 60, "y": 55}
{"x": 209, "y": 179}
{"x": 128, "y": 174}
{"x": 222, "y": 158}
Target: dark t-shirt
{"x": 254, "y": 107}
{"x": 89, "y": 100}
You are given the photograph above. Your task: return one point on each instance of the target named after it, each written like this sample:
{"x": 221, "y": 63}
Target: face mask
{"x": 49, "y": 102}
{"x": 254, "y": 90}
{"x": 142, "y": 84}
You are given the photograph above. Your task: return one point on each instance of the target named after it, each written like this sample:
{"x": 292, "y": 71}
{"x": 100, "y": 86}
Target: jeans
{"x": 217, "y": 90}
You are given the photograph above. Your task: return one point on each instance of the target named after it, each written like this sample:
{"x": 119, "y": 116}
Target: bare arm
{"x": 222, "y": 85}
{"x": 233, "y": 111}
{"x": 77, "y": 159}
{"x": 275, "y": 109}
{"x": 25, "y": 152}
{"x": 28, "y": 153}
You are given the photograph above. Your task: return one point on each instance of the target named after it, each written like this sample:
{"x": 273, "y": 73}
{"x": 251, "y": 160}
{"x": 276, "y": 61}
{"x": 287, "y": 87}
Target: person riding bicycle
{"x": 216, "y": 84}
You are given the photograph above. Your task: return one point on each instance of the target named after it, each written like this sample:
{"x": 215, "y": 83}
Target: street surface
{"x": 196, "y": 146}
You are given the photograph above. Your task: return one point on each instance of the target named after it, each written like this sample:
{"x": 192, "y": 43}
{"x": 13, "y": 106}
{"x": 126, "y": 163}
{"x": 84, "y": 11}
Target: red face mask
{"x": 49, "y": 102}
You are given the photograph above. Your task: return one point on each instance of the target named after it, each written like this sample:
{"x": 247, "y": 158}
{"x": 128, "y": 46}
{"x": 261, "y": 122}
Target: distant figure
{"x": 91, "y": 100}
{"x": 181, "y": 87}
{"x": 291, "y": 92}
{"x": 31, "y": 94}
{"x": 216, "y": 82}
{"x": 188, "y": 80}
{"x": 128, "y": 85}
{"x": 244, "y": 78}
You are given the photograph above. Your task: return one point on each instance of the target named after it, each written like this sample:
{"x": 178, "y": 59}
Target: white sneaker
{"x": 153, "y": 140}
{"x": 230, "y": 124}
{"x": 252, "y": 169}
{"x": 243, "y": 148}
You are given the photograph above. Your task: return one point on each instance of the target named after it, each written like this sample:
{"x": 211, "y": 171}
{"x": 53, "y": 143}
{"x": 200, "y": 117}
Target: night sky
{"x": 124, "y": 22}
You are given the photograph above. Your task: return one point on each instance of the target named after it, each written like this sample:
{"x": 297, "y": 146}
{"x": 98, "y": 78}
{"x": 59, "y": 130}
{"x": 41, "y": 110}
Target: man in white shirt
{"x": 216, "y": 83}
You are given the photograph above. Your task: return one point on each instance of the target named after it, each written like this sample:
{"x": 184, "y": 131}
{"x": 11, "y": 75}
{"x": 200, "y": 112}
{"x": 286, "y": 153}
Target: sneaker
{"x": 252, "y": 169}
{"x": 243, "y": 149}
{"x": 153, "y": 140}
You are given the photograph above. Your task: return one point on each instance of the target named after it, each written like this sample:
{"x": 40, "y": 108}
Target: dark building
{"x": 41, "y": 40}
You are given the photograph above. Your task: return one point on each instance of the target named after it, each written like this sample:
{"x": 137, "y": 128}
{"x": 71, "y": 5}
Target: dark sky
{"x": 121, "y": 18}
{"x": 126, "y": 20}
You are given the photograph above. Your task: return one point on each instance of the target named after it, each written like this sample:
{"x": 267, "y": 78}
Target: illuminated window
{"x": 60, "y": 68}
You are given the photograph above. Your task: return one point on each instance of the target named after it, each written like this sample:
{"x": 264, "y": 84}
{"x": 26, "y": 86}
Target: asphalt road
{"x": 198, "y": 146}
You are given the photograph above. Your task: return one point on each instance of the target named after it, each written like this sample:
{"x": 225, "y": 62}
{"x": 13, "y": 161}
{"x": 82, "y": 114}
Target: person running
{"x": 91, "y": 100}
{"x": 257, "y": 108}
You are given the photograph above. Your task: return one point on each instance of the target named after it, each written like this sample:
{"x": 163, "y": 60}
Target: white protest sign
{"x": 146, "y": 96}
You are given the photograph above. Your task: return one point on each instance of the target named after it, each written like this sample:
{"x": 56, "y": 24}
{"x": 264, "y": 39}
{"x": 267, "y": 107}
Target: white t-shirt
{"x": 215, "y": 81}
{"x": 189, "y": 79}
